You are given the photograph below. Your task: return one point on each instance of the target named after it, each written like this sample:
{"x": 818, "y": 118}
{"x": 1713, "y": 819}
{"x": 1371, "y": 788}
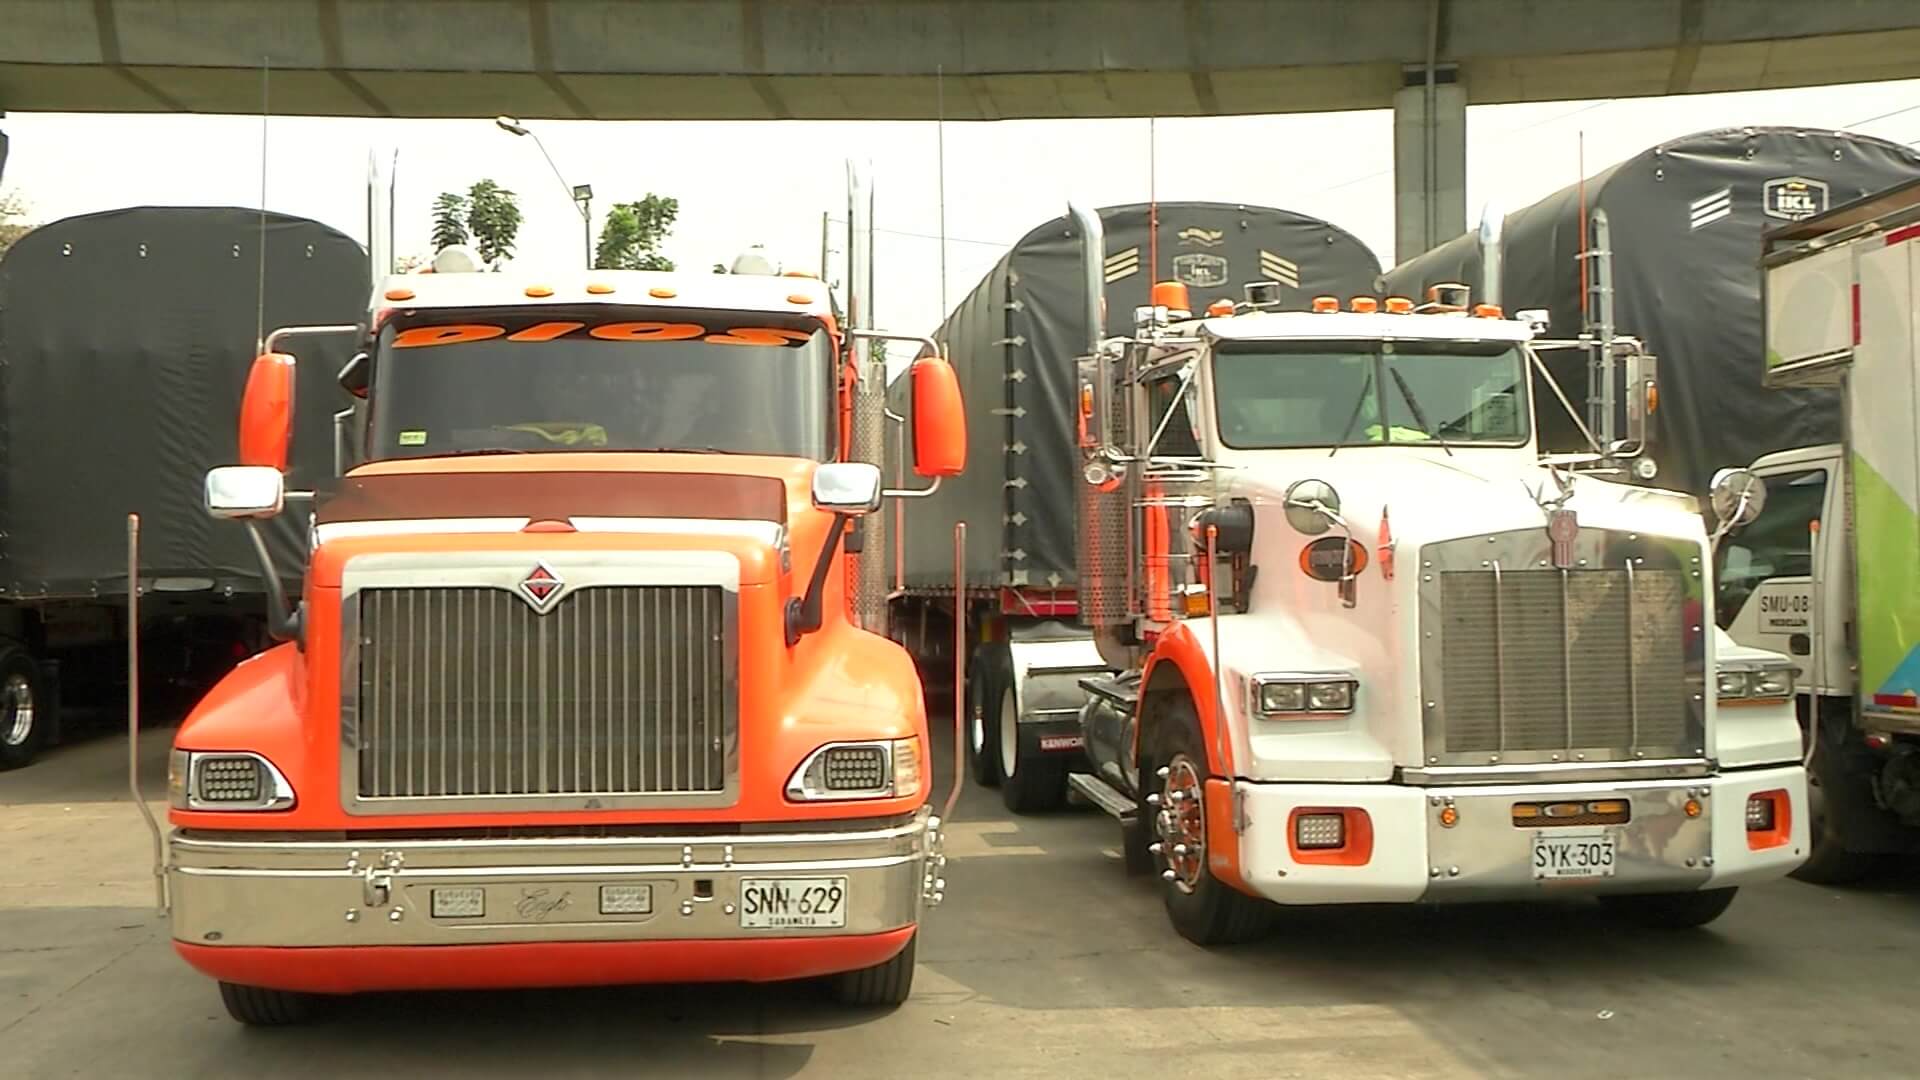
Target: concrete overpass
{"x": 1002, "y": 59}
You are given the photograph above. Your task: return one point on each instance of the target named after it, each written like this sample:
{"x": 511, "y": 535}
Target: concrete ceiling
{"x": 877, "y": 59}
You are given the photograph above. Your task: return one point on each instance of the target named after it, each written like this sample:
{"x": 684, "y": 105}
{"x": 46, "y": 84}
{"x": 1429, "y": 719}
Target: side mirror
{"x": 356, "y": 374}
{"x": 1311, "y": 506}
{"x": 1642, "y": 398}
{"x": 1737, "y": 497}
{"x": 266, "y": 412}
{"x": 939, "y": 419}
{"x": 851, "y": 488}
{"x": 245, "y": 491}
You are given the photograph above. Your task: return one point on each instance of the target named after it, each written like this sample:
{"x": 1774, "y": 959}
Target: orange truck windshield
{"x": 560, "y": 380}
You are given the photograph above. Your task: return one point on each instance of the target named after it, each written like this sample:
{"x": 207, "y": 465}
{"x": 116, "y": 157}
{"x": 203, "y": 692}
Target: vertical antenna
{"x": 260, "y": 298}
{"x": 940, "y": 139}
{"x": 1580, "y": 163}
{"x": 1153, "y": 214}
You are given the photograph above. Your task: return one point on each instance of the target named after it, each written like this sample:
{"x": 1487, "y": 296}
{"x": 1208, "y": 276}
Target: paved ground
{"x": 1045, "y": 961}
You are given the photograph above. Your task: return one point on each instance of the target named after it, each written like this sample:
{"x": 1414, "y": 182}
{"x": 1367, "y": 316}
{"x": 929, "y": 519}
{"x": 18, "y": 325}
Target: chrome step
{"x": 1103, "y": 795}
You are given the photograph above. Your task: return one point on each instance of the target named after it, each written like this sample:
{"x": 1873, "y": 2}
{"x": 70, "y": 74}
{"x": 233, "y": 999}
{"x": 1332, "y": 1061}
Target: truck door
{"x": 1763, "y": 584}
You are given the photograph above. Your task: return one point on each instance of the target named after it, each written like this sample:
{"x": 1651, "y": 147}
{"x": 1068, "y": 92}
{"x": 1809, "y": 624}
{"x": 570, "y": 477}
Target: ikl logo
{"x": 1793, "y": 197}
{"x": 541, "y": 587}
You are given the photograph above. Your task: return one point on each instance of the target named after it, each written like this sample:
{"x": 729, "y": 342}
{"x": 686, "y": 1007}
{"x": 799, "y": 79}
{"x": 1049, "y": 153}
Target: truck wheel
{"x": 992, "y": 667}
{"x": 1671, "y": 911}
{"x": 24, "y": 721}
{"x": 884, "y": 984}
{"x": 1829, "y": 863}
{"x": 257, "y": 1006}
{"x": 1030, "y": 779}
{"x": 1204, "y": 910}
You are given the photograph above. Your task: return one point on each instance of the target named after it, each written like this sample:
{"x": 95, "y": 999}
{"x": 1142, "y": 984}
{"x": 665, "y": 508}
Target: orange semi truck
{"x": 577, "y": 691}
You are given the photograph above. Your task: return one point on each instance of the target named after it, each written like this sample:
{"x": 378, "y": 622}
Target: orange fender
{"x": 1178, "y": 646}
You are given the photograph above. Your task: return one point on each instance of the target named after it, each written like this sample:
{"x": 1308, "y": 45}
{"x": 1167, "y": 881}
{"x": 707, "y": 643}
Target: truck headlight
{"x": 1734, "y": 684}
{"x": 1303, "y": 695}
{"x": 876, "y": 769}
{"x": 1776, "y": 681}
{"x": 1766, "y": 681}
{"x": 225, "y": 780}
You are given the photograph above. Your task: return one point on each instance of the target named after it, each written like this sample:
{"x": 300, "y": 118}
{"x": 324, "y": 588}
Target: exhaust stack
{"x": 1492, "y": 226}
{"x": 1093, "y": 254}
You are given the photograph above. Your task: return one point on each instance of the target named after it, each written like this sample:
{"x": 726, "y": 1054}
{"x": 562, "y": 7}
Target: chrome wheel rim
{"x": 1182, "y": 823}
{"x": 1009, "y": 733}
{"x": 18, "y": 696}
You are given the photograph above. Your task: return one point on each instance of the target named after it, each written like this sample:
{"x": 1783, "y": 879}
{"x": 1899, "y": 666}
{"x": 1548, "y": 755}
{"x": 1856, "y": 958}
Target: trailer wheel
{"x": 257, "y": 1006}
{"x": 991, "y": 668}
{"x": 1203, "y": 909}
{"x": 1031, "y": 780}
{"x": 1829, "y": 862}
{"x": 884, "y": 984}
{"x": 1671, "y": 911}
{"x": 24, "y": 719}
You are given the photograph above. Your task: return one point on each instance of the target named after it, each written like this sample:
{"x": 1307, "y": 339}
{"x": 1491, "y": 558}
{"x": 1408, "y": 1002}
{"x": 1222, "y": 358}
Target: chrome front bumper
{"x": 230, "y": 890}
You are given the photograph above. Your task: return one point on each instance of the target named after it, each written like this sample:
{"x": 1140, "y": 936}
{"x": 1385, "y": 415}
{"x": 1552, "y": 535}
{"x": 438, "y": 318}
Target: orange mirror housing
{"x": 939, "y": 420}
{"x": 266, "y": 412}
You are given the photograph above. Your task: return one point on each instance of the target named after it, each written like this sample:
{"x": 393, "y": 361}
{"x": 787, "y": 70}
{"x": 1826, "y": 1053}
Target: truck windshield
{"x": 1272, "y": 395}
{"x": 590, "y": 379}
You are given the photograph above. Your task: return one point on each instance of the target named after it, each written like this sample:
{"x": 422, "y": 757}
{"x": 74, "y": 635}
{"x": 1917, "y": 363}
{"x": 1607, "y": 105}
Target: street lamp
{"x": 582, "y": 194}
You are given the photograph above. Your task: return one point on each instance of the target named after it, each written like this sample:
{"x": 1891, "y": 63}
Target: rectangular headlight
{"x": 1319, "y": 831}
{"x": 1330, "y": 696}
{"x": 1283, "y": 697}
{"x": 858, "y": 770}
{"x": 1772, "y": 682}
{"x": 1733, "y": 684}
{"x": 225, "y": 780}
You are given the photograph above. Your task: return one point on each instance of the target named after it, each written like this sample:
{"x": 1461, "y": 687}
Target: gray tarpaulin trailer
{"x": 1014, "y": 342}
{"x": 1684, "y": 220}
{"x": 125, "y": 341}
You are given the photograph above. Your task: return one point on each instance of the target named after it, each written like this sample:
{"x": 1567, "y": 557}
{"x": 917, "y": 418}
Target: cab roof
{"x": 1351, "y": 326}
{"x": 627, "y": 288}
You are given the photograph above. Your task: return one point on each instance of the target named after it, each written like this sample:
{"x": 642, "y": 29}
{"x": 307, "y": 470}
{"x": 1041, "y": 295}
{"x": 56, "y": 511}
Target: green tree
{"x": 13, "y": 223}
{"x": 449, "y": 220}
{"x": 493, "y": 217}
{"x": 631, "y": 237}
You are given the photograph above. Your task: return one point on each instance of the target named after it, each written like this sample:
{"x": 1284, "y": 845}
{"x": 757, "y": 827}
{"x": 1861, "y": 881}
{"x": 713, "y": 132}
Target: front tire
{"x": 1203, "y": 909}
{"x": 257, "y": 1006}
{"x": 1031, "y": 780}
{"x": 884, "y": 984}
{"x": 1829, "y": 862}
{"x": 992, "y": 667}
{"x": 1671, "y": 911}
{"x": 24, "y": 720}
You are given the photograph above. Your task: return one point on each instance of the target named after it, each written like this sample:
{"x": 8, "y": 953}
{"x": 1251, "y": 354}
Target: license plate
{"x": 1560, "y": 855}
{"x": 793, "y": 903}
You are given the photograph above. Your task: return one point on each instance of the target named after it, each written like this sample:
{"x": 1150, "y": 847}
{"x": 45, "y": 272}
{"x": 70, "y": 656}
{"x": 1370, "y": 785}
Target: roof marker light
{"x": 1324, "y": 304}
{"x": 1365, "y": 305}
{"x": 399, "y": 294}
{"x": 1486, "y": 311}
{"x": 1399, "y": 305}
{"x": 1222, "y": 306}
{"x": 599, "y": 288}
{"x": 799, "y": 298}
{"x": 661, "y": 292}
{"x": 539, "y": 291}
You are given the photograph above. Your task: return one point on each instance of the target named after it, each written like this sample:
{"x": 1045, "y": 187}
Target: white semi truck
{"x": 1353, "y": 639}
{"x": 1829, "y": 569}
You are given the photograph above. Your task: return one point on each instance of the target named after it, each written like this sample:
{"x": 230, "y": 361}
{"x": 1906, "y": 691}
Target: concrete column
{"x": 1429, "y": 162}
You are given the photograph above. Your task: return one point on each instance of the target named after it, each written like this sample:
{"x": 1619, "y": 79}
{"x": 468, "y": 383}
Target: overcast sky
{"x": 768, "y": 182}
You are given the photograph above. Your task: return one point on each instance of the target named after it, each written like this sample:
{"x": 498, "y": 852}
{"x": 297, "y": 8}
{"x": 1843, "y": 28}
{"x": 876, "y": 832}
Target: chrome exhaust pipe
{"x": 1093, "y": 256}
{"x": 1492, "y": 254}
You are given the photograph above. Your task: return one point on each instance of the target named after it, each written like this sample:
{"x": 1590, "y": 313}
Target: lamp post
{"x": 581, "y": 194}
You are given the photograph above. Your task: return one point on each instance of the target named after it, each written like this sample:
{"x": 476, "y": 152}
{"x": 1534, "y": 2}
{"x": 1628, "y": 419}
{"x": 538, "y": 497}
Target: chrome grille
{"x": 467, "y": 692}
{"x": 1540, "y": 661}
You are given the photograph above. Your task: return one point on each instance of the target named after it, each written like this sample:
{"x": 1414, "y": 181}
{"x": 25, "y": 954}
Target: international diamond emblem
{"x": 541, "y": 587}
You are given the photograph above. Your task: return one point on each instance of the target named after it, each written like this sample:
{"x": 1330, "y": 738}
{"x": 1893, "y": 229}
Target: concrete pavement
{"x": 1045, "y": 961}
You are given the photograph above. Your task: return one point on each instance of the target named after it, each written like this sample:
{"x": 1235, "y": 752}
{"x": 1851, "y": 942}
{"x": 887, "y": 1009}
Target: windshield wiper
{"x": 666, "y": 450}
{"x": 1353, "y": 417}
{"x": 1419, "y": 416}
{"x": 475, "y": 451}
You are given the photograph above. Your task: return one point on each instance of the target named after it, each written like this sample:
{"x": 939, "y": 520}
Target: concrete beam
{"x": 875, "y": 59}
{"x": 1429, "y": 164}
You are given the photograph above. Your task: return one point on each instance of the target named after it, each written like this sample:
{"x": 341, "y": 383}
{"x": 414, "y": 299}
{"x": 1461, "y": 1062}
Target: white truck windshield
{"x": 543, "y": 381}
{"x": 1271, "y": 395}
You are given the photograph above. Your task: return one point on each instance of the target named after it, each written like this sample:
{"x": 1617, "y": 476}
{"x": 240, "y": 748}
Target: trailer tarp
{"x": 125, "y": 341}
{"x": 1014, "y": 341}
{"x": 1685, "y": 219}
